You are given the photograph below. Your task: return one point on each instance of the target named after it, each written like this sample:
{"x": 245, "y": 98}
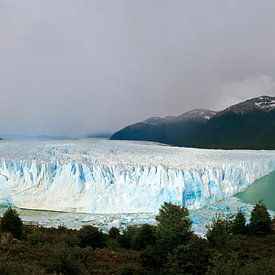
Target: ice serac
{"x": 100, "y": 176}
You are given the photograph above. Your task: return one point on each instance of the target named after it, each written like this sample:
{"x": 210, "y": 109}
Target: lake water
{"x": 262, "y": 189}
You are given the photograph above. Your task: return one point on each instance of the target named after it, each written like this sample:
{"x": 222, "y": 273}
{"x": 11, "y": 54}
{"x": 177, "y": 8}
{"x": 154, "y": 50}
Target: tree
{"x": 12, "y": 223}
{"x": 260, "y": 220}
{"x": 126, "y": 238}
{"x": 173, "y": 226}
{"x": 238, "y": 226}
{"x": 114, "y": 233}
{"x": 91, "y": 236}
{"x": 192, "y": 258}
{"x": 218, "y": 233}
{"x": 145, "y": 235}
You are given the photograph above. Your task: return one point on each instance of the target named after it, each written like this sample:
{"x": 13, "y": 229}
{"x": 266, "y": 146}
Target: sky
{"x": 94, "y": 66}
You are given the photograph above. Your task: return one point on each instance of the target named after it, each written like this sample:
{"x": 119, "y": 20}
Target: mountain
{"x": 247, "y": 125}
{"x": 170, "y": 129}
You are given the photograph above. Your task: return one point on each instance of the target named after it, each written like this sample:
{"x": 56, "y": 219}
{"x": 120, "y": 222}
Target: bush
{"x": 64, "y": 261}
{"x": 7, "y": 267}
{"x": 37, "y": 237}
{"x": 144, "y": 235}
{"x": 137, "y": 237}
{"x": 126, "y": 239}
{"x": 260, "y": 221}
{"x": 129, "y": 270}
{"x": 218, "y": 233}
{"x": 150, "y": 257}
{"x": 114, "y": 233}
{"x": 173, "y": 226}
{"x": 12, "y": 223}
{"x": 91, "y": 236}
{"x": 192, "y": 258}
{"x": 238, "y": 226}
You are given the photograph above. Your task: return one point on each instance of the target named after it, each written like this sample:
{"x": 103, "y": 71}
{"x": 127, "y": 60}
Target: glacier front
{"x": 102, "y": 176}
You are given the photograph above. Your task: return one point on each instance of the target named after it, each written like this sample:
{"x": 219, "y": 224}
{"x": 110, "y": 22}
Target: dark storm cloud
{"x": 95, "y": 66}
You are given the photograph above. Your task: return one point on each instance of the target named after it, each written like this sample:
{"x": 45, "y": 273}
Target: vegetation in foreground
{"x": 230, "y": 247}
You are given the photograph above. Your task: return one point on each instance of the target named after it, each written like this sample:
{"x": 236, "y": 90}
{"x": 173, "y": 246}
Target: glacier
{"x": 113, "y": 177}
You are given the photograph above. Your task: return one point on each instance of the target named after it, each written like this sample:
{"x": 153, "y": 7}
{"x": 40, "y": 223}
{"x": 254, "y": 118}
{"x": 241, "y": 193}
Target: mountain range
{"x": 246, "y": 125}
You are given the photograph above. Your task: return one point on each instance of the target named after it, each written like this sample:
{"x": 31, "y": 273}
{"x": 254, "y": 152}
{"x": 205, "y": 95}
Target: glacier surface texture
{"x": 111, "y": 177}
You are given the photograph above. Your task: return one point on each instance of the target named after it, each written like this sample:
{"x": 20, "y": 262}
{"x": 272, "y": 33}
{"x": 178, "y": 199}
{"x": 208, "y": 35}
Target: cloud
{"x": 233, "y": 92}
{"x": 86, "y": 66}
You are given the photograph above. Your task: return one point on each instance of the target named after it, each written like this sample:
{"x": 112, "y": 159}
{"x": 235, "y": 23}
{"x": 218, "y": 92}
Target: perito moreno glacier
{"x": 101, "y": 176}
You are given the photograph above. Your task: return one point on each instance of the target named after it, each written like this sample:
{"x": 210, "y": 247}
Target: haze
{"x": 79, "y": 67}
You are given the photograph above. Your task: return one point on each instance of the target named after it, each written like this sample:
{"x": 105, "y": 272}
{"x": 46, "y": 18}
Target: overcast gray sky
{"x": 86, "y": 66}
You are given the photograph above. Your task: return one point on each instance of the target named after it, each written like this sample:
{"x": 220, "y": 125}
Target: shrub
{"x": 62, "y": 229}
{"x": 126, "y": 239}
{"x": 91, "y": 236}
{"x": 238, "y": 226}
{"x": 192, "y": 258}
{"x": 144, "y": 235}
{"x": 37, "y": 237}
{"x": 150, "y": 257}
{"x": 130, "y": 270}
{"x": 7, "y": 267}
{"x": 137, "y": 237}
{"x": 114, "y": 233}
{"x": 64, "y": 261}
{"x": 12, "y": 223}
{"x": 173, "y": 226}
{"x": 218, "y": 233}
{"x": 6, "y": 239}
{"x": 260, "y": 221}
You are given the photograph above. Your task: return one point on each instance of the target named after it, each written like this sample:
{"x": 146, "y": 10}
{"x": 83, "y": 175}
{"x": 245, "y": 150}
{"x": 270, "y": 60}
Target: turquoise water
{"x": 262, "y": 189}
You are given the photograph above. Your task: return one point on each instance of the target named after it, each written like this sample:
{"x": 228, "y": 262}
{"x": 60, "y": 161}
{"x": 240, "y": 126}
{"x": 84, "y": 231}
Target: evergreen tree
{"x": 12, "y": 223}
{"x": 114, "y": 233}
{"x": 238, "y": 225}
{"x": 218, "y": 233}
{"x": 260, "y": 220}
{"x": 173, "y": 226}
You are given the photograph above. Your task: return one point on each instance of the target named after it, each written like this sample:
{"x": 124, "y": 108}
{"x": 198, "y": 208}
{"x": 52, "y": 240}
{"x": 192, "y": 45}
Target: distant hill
{"x": 170, "y": 130}
{"x": 247, "y": 125}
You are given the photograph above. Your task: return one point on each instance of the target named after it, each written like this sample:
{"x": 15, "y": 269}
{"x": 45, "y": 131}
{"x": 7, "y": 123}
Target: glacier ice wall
{"x": 100, "y": 176}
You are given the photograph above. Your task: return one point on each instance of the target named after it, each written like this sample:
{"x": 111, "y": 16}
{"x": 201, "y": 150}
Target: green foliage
{"x": 138, "y": 237}
{"x": 218, "y": 233}
{"x": 192, "y": 258}
{"x": 7, "y": 267}
{"x": 91, "y": 236}
{"x": 58, "y": 251}
{"x": 260, "y": 221}
{"x": 37, "y": 237}
{"x": 64, "y": 261}
{"x": 12, "y": 223}
{"x": 114, "y": 233}
{"x": 125, "y": 240}
{"x": 239, "y": 224}
{"x": 173, "y": 226}
{"x": 151, "y": 257}
{"x": 130, "y": 270}
{"x": 144, "y": 235}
